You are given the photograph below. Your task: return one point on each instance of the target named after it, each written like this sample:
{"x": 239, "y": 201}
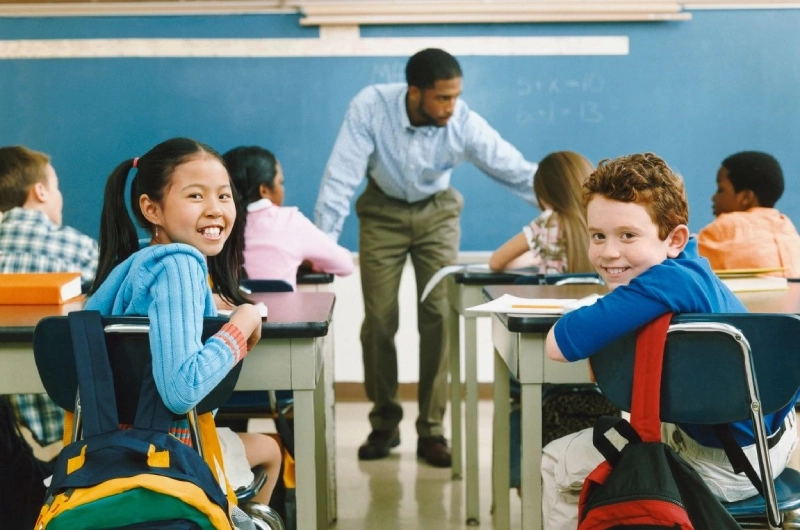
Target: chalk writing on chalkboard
{"x": 547, "y": 100}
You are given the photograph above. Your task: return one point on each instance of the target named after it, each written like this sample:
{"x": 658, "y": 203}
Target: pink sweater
{"x": 279, "y": 238}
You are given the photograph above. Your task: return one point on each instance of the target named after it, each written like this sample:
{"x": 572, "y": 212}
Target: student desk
{"x": 290, "y": 355}
{"x": 519, "y": 342}
{"x": 465, "y": 290}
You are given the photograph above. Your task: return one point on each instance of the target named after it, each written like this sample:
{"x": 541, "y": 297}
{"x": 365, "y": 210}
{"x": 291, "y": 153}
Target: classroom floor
{"x": 403, "y": 492}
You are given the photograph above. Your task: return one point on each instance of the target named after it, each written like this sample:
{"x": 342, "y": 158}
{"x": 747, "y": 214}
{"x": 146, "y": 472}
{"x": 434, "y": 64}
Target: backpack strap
{"x": 604, "y": 445}
{"x": 151, "y": 412}
{"x": 736, "y": 455}
{"x": 646, "y": 398}
{"x": 95, "y": 381}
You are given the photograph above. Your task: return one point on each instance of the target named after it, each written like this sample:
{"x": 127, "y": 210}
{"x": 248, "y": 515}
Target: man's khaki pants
{"x": 390, "y": 230}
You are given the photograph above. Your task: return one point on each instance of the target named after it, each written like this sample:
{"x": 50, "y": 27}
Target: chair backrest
{"x": 129, "y": 351}
{"x": 265, "y": 286}
{"x": 566, "y": 278}
{"x": 706, "y": 367}
{"x": 712, "y": 367}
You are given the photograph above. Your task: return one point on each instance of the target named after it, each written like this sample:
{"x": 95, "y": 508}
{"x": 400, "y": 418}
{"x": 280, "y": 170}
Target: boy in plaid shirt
{"x": 33, "y": 240}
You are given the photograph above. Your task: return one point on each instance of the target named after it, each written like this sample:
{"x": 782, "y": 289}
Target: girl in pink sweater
{"x": 278, "y": 239}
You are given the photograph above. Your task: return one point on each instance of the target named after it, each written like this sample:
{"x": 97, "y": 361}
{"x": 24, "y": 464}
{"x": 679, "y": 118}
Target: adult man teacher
{"x": 406, "y": 139}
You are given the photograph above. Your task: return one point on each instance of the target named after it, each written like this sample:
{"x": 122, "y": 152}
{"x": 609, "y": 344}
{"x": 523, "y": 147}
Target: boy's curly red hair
{"x": 644, "y": 179}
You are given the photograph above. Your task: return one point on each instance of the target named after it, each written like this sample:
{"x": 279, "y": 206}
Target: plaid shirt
{"x": 31, "y": 242}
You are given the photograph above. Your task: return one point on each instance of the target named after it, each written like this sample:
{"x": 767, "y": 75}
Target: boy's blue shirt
{"x": 685, "y": 284}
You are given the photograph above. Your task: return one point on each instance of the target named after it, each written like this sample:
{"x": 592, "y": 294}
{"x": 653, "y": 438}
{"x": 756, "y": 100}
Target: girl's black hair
{"x": 249, "y": 168}
{"x": 154, "y": 169}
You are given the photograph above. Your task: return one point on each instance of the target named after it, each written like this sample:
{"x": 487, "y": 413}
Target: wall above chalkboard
{"x": 363, "y": 12}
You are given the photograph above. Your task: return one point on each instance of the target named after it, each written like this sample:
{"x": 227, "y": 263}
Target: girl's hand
{"x": 247, "y": 318}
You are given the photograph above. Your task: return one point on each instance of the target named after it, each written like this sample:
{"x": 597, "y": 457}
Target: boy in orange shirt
{"x": 749, "y": 233}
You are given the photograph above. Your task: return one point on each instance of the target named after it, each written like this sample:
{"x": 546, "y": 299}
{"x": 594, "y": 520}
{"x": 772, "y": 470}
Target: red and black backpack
{"x": 646, "y": 485}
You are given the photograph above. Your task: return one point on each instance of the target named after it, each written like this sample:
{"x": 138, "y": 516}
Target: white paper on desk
{"x": 542, "y": 306}
{"x": 262, "y": 309}
{"x": 451, "y": 269}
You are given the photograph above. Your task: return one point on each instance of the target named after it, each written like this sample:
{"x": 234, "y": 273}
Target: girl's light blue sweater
{"x": 169, "y": 284}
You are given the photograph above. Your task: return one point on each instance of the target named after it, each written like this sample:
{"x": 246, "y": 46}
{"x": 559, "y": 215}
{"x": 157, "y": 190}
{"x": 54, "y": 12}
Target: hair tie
{"x": 136, "y": 161}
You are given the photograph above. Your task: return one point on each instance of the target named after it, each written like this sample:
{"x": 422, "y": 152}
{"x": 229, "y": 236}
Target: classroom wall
{"x": 93, "y": 91}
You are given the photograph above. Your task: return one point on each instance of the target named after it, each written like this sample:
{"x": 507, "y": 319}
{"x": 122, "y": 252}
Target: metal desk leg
{"x": 306, "y": 461}
{"x": 329, "y": 406}
{"x": 471, "y": 433}
{"x": 531, "y": 456}
{"x": 322, "y": 445}
{"x": 454, "y": 332}
{"x": 500, "y": 449}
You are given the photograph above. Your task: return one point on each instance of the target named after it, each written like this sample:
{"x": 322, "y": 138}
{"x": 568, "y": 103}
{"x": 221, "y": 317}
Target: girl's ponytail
{"x": 118, "y": 236}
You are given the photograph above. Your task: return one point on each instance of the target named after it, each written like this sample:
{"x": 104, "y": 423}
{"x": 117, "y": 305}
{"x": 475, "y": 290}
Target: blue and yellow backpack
{"x": 137, "y": 478}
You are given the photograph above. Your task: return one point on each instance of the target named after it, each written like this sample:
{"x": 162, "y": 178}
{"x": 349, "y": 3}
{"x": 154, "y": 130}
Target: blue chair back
{"x": 701, "y": 367}
{"x": 265, "y": 286}
{"x": 718, "y": 369}
{"x": 129, "y": 353}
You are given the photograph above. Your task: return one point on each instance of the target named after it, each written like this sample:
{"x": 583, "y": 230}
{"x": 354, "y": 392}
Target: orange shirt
{"x": 754, "y": 239}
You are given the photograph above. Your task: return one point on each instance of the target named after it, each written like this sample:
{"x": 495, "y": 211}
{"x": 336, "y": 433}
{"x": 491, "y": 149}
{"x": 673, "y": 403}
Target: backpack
{"x": 21, "y": 474}
{"x": 138, "y": 478}
{"x": 646, "y": 485}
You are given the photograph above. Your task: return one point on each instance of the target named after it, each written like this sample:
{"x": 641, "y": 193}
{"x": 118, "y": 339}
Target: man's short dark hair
{"x": 756, "y": 171}
{"x": 426, "y": 67}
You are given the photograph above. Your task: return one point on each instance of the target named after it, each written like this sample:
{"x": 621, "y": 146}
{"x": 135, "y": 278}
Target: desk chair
{"x": 129, "y": 355}
{"x": 253, "y": 285}
{"x": 712, "y": 366}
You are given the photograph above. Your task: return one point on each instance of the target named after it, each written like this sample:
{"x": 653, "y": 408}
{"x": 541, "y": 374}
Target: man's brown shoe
{"x": 378, "y": 444}
{"x": 434, "y": 450}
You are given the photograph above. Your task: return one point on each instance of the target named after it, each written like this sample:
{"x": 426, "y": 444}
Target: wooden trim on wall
{"x": 65, "y": 8}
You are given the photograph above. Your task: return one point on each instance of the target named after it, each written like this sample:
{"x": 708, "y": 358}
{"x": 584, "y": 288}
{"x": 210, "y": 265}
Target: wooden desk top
{"x": 521, "y": 323}
{"x": 786, "y": 301}
{"x": 291, "y": 315}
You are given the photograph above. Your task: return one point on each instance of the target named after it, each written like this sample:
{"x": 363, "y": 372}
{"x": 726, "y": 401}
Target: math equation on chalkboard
{"x": 550, "y": 100}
